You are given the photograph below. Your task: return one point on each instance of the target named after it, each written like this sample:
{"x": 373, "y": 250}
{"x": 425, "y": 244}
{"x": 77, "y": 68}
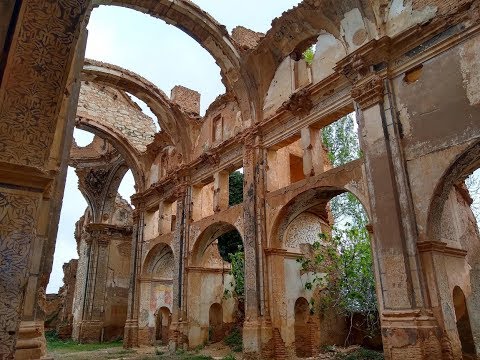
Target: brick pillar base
{"x": 411, "y": 336}
{"x": 252, "y": 342}
{"x": 90, "y": 331}
{"x": 130, "y": 337}
{"x": 31, "y": 343}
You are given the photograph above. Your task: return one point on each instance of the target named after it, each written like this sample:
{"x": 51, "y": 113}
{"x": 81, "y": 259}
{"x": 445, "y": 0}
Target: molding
{"x": 26, "y": 178}
{"x": 440, "y": 247}
{"x": 202, "y": 269}
{"x": 282, "y": 252}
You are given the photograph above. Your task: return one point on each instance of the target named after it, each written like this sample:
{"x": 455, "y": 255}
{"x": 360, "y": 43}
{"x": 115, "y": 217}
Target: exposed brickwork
{"x": 187, "y": 99}
{"x": 246, "y": 39}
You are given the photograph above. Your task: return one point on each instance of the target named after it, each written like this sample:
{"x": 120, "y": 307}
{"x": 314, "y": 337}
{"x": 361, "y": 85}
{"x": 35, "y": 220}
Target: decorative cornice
{"x": 440, "y": 247}
{"x": 101, "y": 230}
{"x": 281, "y": 252}
{"x": 29, "y": 178}
{"x": 368, "y": 93}
{"x": 211, "y": 158}
{"x": 203, "y": 269}
{"x": 299, "y": 104}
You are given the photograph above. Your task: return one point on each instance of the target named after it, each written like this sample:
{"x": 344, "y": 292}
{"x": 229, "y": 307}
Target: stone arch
{"x": 205, "y": 239}
{"x": 159, "y": 262}
{"x": 299, "y": 28}
{"x": 313, "y": 200}
{"x": 204, "y": 29}
{"x": 467, "y": 162}
{"x": 129, "y": 153}
{"x": 171, "y": 118}
{"x": 162, "y": 325}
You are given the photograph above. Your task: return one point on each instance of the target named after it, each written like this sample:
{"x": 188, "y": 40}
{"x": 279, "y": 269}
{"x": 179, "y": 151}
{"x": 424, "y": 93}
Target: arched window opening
{"x": 162, "y": 329}
{"x": 463, "y": 324}
{"x": 215, "y": 330}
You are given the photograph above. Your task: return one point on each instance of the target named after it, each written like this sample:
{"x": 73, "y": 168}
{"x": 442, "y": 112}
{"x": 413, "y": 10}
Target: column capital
{"x": 369, "y": 91}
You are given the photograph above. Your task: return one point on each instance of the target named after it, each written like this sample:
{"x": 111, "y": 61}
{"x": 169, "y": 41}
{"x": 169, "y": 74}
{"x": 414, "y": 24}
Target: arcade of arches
{"x": 410, "y": 70}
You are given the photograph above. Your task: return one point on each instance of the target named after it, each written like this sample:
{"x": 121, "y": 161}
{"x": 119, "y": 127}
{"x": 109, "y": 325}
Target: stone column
{"x": 130, "y": 338}
{"x": 180, "y": 240}
{"x": 164, "y": 217}
{"x": 220, "y": 191}
{"x": 31, "y": 340}
{"x": 91, "y": 326}
{"x": 408, "y": 327}
{"x": 254, "y": 164}
{"x": 313, "y": 154}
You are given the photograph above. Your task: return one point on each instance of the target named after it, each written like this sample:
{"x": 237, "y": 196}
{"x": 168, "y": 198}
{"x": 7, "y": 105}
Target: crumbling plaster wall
{"x": 430, "y": 141}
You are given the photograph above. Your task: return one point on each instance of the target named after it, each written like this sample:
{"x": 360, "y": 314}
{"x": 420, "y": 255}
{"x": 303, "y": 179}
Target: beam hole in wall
{"x": 413, "y": 75}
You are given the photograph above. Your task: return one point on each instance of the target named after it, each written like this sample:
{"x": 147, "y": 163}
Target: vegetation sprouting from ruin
{"x": 308, "y": 55}
{"x": 341, "y": 262}
{"x": 473, "y": 186}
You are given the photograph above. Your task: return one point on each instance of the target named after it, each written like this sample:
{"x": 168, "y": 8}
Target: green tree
{"x": 235, "y": 188}
{"x": 308, "y": 55}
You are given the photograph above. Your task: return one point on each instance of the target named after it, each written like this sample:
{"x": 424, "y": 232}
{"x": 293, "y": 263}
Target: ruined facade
{"x": 409, "y": 70}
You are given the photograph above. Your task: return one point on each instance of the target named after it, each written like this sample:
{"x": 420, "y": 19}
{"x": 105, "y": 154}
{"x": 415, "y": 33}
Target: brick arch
{"x": 207, "y": 236}
{"x": 204, "y": 29}
{"x": 315, "y": 198}
{"x": 464, "y": 164}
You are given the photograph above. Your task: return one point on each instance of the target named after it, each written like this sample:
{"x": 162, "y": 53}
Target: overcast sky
{"x": 167, "y": 57}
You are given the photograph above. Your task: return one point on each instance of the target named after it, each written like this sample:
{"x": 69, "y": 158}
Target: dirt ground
{"x": 215, "y": 351}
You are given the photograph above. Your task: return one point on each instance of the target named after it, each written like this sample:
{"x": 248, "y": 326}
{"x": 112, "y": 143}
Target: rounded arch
{"x": 204, "y": 29}
{"x": 299, "y": 28}
{"x": 129, "y": 153}
{"x": 465, "y": 164}
{"x": 313, "y": 200}
{"x": 210, "y": 234}
{"x": 170, "y": 117}
{"x": 159, "y": 261}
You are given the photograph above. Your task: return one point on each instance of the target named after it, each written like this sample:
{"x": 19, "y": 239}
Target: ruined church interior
{"x": 328, "y": 198}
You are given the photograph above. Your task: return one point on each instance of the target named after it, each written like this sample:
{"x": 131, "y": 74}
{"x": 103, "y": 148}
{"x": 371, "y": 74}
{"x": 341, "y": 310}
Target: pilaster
{"x": 409, "y": 328}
